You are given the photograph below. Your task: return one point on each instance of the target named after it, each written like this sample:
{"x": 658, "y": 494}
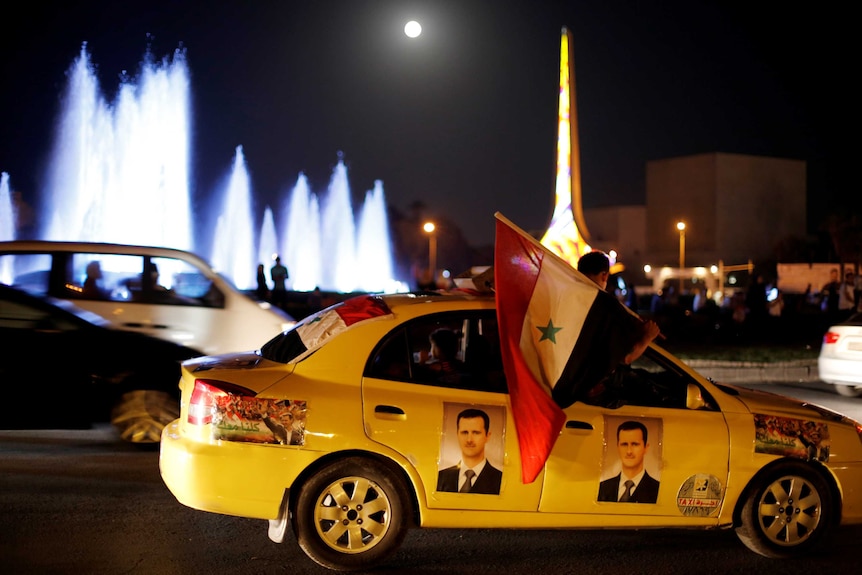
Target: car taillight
{"x": 830, "y": 337}
{"x": 205, "y": 396}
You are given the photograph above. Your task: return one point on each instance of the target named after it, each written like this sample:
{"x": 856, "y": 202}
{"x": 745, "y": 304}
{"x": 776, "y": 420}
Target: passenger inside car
{"x": 93, "y": 287}
{"x": 442, "y": 360}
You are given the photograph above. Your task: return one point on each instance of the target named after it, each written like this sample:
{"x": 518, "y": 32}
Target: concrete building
{"x": 735, "y": 207}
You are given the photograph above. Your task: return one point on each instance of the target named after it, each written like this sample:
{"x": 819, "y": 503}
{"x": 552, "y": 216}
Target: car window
{"x": 460, "y": 350}
{"x": 113, "y": 277}
{"x": 27, "y": 272}
{"x": 650, "y": 381}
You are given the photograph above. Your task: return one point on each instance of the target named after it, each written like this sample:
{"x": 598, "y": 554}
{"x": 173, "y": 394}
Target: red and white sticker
{"x": 699, "y": 496}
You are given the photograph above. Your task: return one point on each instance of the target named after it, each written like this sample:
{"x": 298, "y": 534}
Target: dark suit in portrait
{"x": 645, "y": 492}
{"x": 487, "y": 482}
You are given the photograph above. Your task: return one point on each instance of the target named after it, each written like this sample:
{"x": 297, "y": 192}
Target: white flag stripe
{"x": 315, "y": 332}
{"x": 565, "y": 308}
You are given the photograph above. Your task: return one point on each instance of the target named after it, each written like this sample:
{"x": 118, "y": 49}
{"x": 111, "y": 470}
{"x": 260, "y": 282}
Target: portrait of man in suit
{"x": 473, "y": 473}
{"x": 632, "y": 484}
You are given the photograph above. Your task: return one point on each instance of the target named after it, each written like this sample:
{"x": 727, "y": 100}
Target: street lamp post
{"x": 429, "y": 228}
{"x": 681, "y": 227}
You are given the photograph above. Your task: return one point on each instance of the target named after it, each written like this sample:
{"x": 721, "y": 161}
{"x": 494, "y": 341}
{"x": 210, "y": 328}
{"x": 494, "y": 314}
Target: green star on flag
{"x": 549, "y": 331}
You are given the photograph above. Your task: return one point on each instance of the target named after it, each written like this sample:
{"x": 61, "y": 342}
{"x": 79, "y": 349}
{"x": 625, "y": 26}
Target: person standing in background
{"x": 279, "y": 276}
{"x": 847, "y": 295}
{"x": 262, "y": 287}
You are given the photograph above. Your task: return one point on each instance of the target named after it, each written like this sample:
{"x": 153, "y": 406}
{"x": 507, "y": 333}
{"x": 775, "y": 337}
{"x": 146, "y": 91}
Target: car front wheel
{"x": 849, "y": 390}
{"x": 351, "y": 515}
{"x": 140, "y": 416}
{"x": 787, "y": 512}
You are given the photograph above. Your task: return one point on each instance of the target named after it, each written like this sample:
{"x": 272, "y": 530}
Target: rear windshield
{"x": 315, "y": 330}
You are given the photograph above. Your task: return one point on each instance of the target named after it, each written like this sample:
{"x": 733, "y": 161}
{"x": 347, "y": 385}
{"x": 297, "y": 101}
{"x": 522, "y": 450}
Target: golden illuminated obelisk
{"x": 567, "y": 235}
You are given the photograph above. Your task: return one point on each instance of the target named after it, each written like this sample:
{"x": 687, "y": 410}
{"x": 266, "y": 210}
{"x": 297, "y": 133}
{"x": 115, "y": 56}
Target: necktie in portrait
{"x": 468, "y": 483}
{"x": 627, "y": 496}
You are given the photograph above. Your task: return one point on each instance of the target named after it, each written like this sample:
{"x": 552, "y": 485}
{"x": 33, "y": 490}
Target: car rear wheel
{"x": 787, "y": 513}
{"x": 849, "y": 390}
{"x": 139, "y": 416}
{"x": 351, "y": 515}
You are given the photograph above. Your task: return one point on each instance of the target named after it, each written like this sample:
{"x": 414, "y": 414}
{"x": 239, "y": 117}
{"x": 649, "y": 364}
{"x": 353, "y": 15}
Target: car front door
{"x": 684, "y": 455}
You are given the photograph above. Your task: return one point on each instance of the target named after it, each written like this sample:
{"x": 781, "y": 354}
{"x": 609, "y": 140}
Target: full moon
{"x": 412, "y": 29}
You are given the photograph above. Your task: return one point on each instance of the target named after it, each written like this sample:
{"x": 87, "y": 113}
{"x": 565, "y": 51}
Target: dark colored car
{"x": 64, "y": 368}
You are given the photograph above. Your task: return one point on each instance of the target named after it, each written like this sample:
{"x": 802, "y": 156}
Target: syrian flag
{"x": 313, "y": 331}
{"x": 560, "y": 335}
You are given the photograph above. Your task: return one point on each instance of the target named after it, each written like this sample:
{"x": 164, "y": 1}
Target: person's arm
{"x": 649, "y": 331}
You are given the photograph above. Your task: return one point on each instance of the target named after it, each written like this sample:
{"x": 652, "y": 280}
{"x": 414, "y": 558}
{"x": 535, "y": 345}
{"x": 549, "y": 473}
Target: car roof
{"x": 46, "y": 246}
{"x": 456, "y": 297}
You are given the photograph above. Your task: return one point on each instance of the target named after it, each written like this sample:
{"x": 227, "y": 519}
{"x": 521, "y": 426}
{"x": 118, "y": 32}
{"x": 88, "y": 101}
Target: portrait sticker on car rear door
{"x": 471, "y": 449}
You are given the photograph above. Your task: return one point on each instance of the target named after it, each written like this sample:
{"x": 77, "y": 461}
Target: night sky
{"x": 462, "y": 118}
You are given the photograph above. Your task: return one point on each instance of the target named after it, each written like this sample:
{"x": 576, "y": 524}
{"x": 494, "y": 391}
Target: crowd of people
{"x": 759, "y": 312}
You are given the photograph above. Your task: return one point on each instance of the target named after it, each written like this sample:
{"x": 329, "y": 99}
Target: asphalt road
{"x": 82, "y": 502}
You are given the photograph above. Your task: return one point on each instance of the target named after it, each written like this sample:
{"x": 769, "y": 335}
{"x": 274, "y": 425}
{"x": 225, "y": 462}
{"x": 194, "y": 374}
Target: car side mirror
{"x": 694, "y": 397}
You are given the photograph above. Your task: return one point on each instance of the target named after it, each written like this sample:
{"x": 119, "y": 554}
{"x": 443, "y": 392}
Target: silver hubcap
{"x": 789, "y": 511}
{"x": 352, "y": 514}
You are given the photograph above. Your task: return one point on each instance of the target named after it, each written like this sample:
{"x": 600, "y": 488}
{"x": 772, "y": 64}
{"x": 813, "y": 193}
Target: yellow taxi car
{"x": 383, "y": 413}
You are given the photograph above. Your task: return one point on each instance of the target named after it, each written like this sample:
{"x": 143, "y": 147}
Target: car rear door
{"x": 415, "y": 413}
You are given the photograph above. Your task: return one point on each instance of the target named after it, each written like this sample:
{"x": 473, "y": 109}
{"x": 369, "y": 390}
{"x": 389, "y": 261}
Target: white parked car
{"x": 840, "y": 361}
{"x": 166, "y": 293}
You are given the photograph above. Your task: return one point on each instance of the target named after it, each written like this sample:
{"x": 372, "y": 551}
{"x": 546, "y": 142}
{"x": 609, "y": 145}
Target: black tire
{"x": 849, "y": 390}
{"x": 787, "y": 513}
{"x": 351, "y": 515}
{"x": 140, "y": 416}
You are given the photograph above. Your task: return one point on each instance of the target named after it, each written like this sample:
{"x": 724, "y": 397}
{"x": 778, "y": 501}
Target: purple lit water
{"x": 268, "y": 245}
{"x": 120, "y": 173}
{"x": 7, "y": 225}
{"x": 234, "y": 253}
{"x": 300, "y": 245}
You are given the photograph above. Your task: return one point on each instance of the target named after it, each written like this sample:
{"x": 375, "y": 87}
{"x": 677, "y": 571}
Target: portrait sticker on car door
{"x": 791, "y": 437}
{"x": 471, "y": 448}
{"x": 631, "y": 471}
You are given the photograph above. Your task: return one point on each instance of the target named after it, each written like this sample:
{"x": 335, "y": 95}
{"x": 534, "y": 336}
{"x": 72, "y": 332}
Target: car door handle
{"x": 578, "y": 425}
{"x": 389, "y": 412}
{"x": 145, "y": 325}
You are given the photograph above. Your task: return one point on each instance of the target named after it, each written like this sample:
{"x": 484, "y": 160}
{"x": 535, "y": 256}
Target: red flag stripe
{"x": 538, "y": 419}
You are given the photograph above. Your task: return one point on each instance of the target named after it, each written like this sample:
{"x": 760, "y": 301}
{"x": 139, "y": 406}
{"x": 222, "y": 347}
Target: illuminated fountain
{"x": 233, "y": 252}
{"x": 300, "y": 247}
{"x": 373, "y": 242}
{"x": 7, "y": 225}
{"x": 120, "y": 173}
{"x": 268, "y": 244}
{"x": 324, "y": 229}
